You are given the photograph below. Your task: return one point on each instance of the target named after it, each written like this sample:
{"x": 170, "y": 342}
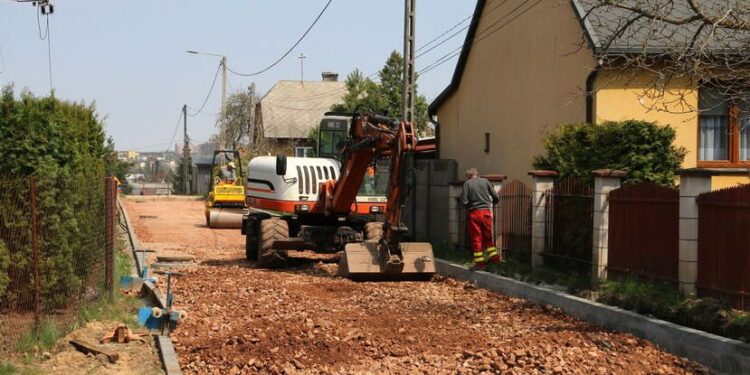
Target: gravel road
{"x": 305, "y": 320}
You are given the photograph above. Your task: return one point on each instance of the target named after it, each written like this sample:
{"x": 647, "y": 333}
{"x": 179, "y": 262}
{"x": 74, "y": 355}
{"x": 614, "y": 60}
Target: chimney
{"x": 330, "y": 76}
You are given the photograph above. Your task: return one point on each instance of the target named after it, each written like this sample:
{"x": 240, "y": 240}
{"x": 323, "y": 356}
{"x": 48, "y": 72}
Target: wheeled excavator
{"x": 367, "y": 250}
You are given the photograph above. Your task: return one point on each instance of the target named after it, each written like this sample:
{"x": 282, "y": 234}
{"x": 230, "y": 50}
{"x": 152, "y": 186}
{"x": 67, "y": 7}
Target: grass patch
{"x": 41, "y": 339}
{"x": 121, "y": 309}
{"x": 664, "y": 301}
{"x": 7, "y": 369}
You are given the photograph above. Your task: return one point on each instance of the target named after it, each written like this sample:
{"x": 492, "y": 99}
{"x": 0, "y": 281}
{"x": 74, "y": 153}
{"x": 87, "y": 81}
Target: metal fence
{"x": 56, "y": 254}
{"x": 724, "y": 245}
{"x": 570, "y": 218}
{"x": 514, "y": 211}
{"x": 644, "y": 232}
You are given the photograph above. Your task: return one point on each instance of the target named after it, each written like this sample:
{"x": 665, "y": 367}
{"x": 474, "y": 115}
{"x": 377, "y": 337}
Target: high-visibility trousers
{"x": 479, "y": 226}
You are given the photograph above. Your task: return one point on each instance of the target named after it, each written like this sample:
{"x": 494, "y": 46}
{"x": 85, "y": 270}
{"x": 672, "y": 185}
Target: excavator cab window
{"x": 375, "y": 183}
{"x": 332, "y": 134}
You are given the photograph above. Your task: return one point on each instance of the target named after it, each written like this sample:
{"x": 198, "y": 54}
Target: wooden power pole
{"x": 410, "y": 74}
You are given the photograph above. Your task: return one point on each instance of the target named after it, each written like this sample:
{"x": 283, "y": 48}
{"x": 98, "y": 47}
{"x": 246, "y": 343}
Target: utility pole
{"x": 410, "y": 75}
{"x": 251, "y": 125}
{"x": 185, "y": 153}
{"x": 223, "y": 100}
{"x": 302, "y": 58}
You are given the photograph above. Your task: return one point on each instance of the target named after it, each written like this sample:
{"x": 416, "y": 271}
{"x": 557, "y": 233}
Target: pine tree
{"x": 364, "y": 95}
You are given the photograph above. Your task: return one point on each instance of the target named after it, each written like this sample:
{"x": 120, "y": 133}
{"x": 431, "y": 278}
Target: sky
{"x": 129, "y": 56}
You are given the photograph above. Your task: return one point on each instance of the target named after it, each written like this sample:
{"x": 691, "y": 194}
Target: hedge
{"x": 644, "y": 149}
{"x": 60, "y": 144}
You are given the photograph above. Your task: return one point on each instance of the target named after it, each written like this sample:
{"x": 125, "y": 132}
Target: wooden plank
{"x": 87, "y": 348}
{"x": 168, "y": 355}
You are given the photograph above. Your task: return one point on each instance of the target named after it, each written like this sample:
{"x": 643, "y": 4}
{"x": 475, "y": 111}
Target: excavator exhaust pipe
{"x": 364, "y": 262}
{"x": 226, "y": 217}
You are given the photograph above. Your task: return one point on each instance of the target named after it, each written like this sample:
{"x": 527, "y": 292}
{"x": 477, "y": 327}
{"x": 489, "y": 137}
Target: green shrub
{"x": 4, "y": 263}
{"x": 644, "y": 149}
{"x": 61, "y": 145}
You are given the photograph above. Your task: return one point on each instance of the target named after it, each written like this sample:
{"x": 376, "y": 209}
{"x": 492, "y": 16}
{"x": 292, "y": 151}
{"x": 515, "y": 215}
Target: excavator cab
{"x": 226, "y": 204}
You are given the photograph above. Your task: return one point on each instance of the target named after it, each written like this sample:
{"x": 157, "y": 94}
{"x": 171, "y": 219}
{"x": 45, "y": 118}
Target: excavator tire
{"x": 271, "y": 230}
{"x": 373, "y": 231}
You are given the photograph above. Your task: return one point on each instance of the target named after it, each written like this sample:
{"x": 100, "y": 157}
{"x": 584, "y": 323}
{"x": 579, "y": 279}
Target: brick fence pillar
{"x": 605, "y": 180}
{"x": 543, "y": 181}
{"x": 454, "y": 215}
{"x": 692, "y": 184}
{"x": 497, "y": 181}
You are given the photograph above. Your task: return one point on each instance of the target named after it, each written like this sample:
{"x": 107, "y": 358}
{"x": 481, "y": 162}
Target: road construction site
{"x": 307, "y": 320}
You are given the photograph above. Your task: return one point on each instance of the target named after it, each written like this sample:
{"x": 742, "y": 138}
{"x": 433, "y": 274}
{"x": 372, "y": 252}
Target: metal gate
{"x": 570, "y": 220}
{"x": 644, "y": 232}
{"x": 514, "y": 212}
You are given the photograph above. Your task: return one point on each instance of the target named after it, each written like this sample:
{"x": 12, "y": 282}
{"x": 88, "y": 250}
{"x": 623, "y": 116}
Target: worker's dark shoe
{"x": 478, "y": 267}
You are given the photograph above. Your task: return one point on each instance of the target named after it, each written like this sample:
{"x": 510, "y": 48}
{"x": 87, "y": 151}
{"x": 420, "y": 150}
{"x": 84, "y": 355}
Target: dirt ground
{"x": 63, "y": 358}
{"x": 305, "y": 320}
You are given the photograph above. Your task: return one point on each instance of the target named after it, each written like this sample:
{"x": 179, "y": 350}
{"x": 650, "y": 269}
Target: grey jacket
{"x": 478, "y": 193}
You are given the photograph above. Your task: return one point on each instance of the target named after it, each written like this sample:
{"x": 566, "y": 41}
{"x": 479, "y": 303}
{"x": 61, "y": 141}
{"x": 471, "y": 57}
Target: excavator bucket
{"x": 364, "y": 261}
{"x": 226, "y": 217}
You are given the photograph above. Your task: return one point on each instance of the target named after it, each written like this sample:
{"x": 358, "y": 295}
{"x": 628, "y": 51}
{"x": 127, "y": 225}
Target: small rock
{"x": 298, "y": 364}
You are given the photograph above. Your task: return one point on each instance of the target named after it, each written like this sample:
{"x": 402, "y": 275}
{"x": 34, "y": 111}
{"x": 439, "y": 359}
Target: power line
{"x": 446, "y": 32}
{"x": 39, "y": 25}
{"x": 174, "y": 134}
{"x": 289, "y": 50}
{"x": 447, "y": 57}
{"x": 443, "y": 41}
{"x": 213, "y": 84}
{"x": 500, "y": 3}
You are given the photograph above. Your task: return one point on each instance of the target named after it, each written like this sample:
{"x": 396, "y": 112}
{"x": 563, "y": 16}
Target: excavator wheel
{"x": 373, "y": 231}
{"x": 271, "y": 230}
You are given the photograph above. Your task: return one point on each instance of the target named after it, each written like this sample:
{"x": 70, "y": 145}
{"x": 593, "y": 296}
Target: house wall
{"x": 534, "y": 70}
{"x": 620, "y": 96}
{"x": 283, "y": 146}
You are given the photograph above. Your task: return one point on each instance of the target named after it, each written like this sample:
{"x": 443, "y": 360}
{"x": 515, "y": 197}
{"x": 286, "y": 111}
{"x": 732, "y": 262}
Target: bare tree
{"x": 238, "y": 118}
{"x": 702, "y": 41}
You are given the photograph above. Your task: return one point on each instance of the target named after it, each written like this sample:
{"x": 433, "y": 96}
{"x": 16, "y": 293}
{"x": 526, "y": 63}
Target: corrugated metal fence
{"x": 644, "y": 232}
{"x": 724, "y": 245}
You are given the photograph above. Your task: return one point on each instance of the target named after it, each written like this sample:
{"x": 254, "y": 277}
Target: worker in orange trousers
{"x": 478, "y": 196}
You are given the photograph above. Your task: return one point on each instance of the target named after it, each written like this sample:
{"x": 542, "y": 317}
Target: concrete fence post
{"x": 605, "y": 181}
{"x": 497, "y": 181}
{"x": 454, "y": 214}
{"x": 692, "y": 183}
{"x": 543, "y": 181}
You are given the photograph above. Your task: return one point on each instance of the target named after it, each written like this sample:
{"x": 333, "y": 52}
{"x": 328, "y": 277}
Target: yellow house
{"x": 528, "y": 66}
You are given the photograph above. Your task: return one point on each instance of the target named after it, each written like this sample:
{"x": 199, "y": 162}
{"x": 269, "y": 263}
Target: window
{"x": 303, "y": 152}
{"x": 724, "y": 134}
